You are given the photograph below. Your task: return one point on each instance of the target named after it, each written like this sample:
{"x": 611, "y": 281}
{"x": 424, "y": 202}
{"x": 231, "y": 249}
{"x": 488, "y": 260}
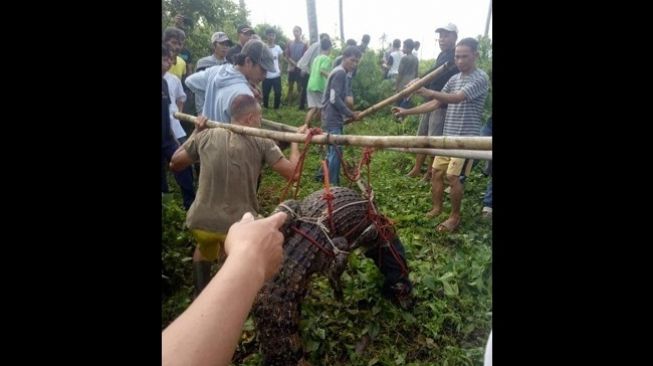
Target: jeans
{"x": 487, "y": 200}
{"x": 333, "y": 160}
{"x": 184, "y": 178}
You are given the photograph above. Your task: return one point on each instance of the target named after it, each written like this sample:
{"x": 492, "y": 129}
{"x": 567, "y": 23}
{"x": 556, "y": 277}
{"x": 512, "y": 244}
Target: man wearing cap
{"x": 220, "y": 43}
{"x": 432, "y": 123}
{"x": 221, "y": 84}
{"x": 245, "y": 32}
{"x": 465, "y": 95}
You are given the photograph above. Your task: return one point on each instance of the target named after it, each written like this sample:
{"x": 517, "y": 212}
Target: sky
{"x": 416, "y": 19}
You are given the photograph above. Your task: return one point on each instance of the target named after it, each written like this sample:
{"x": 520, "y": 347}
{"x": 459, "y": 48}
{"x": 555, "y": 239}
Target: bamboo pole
{"x": 454, "y": 153}
{"x": 469, "y": 154}
{"x": 406, "y": 91}
{"x": 278, "y": 126}
{"x": 439, "y": 142}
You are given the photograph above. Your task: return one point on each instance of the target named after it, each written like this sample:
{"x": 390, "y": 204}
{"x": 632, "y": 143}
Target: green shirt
{"x": 317, "y": 81}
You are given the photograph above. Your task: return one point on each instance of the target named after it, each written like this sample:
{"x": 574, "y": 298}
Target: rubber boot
{"x": 201, "y": 276}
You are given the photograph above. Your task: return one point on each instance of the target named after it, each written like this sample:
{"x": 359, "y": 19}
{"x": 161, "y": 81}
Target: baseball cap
{"x": 449, "y": 27}
{"x": 221, "y": 37}
{"x": 245, "y": 28}
{"x": 260, "y": 54}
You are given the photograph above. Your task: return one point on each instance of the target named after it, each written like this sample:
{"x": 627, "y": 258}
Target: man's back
{"x": 408, "y": 67}
{"x": 218, "y": 86}
{"x": 231, "y": 164}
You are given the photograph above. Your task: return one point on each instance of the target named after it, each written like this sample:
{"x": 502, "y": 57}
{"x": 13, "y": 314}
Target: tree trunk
{"x": 342, "y": 26}
{"x": 312, "y": 20}
{"x": 487, "y": 22}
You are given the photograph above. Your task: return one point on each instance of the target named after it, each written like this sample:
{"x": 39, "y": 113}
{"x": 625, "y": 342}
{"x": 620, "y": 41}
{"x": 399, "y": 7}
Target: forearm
{"x": 341, "y": 106}
{"x": 180, "y": 159}
{"x": 444, "y": 98}
{"x": 197, "y": 82}
{"x": 294, "y": 153}
{"x": 424, "y": 108}
{"x": 207, "y": 332}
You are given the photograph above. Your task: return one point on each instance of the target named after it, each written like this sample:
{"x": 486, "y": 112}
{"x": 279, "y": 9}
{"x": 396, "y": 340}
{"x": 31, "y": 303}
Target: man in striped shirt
{"x": 465, "y": 95}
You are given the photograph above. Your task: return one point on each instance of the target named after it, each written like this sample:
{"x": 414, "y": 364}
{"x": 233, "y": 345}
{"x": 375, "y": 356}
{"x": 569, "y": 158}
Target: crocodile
{"x": 316, "y": 242}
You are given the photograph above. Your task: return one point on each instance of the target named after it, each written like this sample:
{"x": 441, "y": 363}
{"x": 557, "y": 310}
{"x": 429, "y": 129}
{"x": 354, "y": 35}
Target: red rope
{"x": 366, "y": 158}
{"x": 299, "y": 168}
{"x": 383, "y": 224}
{"x": 384, "y": 228}
{"x": 312, "y": 241}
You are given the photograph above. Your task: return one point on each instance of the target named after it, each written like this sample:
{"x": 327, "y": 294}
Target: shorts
{"x": 455, "y": 166}
{"x": 432, "y": 123}
{"x": 314, "y": 99}
{"x": 295, "y": 75}
{"x": 210, "y": 243}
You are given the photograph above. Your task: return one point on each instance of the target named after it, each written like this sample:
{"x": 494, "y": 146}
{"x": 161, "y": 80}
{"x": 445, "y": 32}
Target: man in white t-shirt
{"x": 177, "y": 100}
{"x": 391, "y": 63}
{"x": 273, "y": 79}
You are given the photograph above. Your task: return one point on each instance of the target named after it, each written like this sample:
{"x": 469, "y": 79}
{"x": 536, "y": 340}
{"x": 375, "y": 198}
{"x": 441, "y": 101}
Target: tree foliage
{"x": 368, "y": 86}
{"x": 206, "y": 17}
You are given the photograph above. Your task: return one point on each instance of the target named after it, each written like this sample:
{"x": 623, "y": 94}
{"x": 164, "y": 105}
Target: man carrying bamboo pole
{"x": 221, "y": 84}
{"x": 432, "y": 123}
{"x": 335, "y": 111}
{"x": 230, "y": 166}
{"x": 465, "y": 94}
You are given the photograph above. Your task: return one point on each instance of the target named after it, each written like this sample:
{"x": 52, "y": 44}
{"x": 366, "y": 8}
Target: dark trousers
{"x": 184, "y": 178}
{"x": 267, "y": 85}
{"x": 302, "y": 98}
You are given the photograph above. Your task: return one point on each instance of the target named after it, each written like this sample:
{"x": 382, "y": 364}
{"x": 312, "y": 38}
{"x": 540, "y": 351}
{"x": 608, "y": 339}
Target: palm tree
{"x": 342, "y": 26}
{"x": 312, "y": 20}
{"x": 487, "y": 22}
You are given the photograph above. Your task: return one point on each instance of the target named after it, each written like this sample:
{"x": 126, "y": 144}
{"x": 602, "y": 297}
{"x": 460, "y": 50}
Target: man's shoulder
{"x": 257, "y": 143}
{"x": 205, "y": 59}
{"x": 480, "y": 73}
{"x": 444, "y": 56}
{"x": 410, "y": 57}
{"x": 171, "y": 78}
